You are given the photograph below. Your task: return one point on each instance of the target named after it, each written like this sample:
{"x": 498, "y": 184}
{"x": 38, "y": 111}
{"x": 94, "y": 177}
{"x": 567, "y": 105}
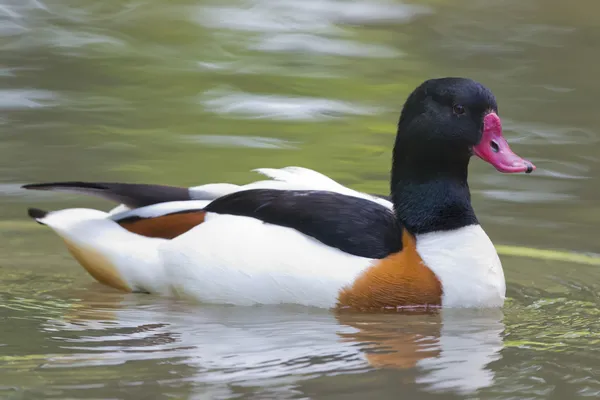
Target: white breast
{"x": 467, "y": 265}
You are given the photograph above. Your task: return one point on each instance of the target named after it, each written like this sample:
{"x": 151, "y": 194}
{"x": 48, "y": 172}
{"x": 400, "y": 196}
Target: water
{"x": 187, "y": 92}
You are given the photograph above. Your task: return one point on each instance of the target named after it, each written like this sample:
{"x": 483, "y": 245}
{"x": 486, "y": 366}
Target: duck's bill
{"x": 494, "y": 149}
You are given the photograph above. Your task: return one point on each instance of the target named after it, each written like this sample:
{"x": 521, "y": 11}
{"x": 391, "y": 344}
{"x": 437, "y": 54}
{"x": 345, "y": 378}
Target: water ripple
{"x": 255, "y": 142}
{"x": 532, "y": 133}
{"x": 248, "y": 105}
{"x": 12, "y": 99}
{"x": 320, "y": 16}
{"x": 308, "y": 43}
{"x": 526, "y": 196}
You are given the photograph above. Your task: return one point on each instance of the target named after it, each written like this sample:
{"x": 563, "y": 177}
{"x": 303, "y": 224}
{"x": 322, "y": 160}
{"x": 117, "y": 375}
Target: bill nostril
{"x": 494, "y": 145}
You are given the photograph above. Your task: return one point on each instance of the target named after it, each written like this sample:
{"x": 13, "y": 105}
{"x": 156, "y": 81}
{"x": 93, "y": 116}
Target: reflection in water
{"x": 280, "y": 346}
{"x": 469, "y": 341}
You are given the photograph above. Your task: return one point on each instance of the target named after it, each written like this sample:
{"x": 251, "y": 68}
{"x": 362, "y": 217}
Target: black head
{"x": 443, "y": 123}
{"x": 447, "y": 111}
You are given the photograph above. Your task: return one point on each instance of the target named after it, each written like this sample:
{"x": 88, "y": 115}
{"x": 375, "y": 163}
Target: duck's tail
{"x": 110, "y": 253}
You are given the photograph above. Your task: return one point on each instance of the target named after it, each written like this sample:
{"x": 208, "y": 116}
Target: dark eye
{"x": 458, "y": 109}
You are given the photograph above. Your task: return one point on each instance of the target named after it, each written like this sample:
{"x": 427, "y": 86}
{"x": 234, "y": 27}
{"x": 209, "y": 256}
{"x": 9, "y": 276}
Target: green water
{"x": 182, "y": 92}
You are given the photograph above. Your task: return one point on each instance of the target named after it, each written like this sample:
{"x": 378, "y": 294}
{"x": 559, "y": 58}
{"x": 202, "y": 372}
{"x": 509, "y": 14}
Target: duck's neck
{"x": 432, "y": 194}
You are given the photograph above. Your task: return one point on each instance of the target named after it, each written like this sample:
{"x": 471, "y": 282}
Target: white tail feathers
{"x": 110, "y": 253}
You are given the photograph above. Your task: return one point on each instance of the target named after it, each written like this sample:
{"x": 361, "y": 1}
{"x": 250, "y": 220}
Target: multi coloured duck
{"x": 301, "y": 237}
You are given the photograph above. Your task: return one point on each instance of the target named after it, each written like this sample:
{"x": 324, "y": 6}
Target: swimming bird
{"x": 303, "y": 238}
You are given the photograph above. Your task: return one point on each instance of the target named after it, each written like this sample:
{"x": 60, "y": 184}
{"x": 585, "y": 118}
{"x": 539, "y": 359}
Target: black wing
{"x": 353, "y": 225}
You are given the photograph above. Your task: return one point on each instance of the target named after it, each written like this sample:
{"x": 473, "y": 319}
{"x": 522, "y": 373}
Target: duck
{"x": 300, "y": 237}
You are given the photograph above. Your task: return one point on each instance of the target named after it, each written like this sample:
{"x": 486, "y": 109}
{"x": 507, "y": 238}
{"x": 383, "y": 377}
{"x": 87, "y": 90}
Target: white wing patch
{"x": 156, "y": 210}
{"x": 298, "y": 178}
{"x": 211, "y": 191}
{"x": 299, "y": 174}
{"x": 288, "y": 178}
{"x": 119, "y": 209}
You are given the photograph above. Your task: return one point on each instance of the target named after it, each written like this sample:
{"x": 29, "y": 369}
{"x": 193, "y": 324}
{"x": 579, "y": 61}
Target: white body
{"x": 243, "y": 261}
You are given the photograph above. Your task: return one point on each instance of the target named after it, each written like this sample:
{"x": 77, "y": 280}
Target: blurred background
{"x": 189, "y": 92}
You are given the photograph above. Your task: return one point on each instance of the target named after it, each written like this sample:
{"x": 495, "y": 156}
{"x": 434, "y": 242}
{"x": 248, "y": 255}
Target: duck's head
{"x": 444, "y": 122}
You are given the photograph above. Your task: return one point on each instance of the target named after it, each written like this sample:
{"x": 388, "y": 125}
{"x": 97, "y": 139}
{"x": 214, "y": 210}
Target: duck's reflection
{"x": 451, "y": 349}
{"x": 261, "y": 346}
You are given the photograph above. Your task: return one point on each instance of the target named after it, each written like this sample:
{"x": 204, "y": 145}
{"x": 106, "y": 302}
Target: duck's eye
{"x": 458, "y": 109}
